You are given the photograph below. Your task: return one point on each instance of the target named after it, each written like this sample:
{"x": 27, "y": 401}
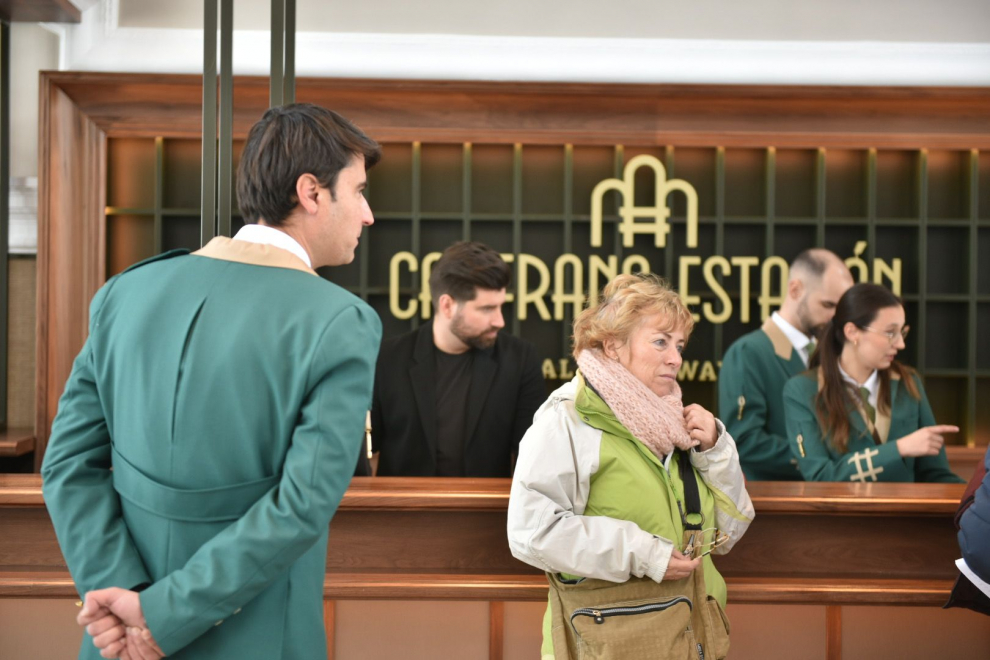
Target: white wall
{"x": 32, "y": 49}
{"x": 790, "y": 20}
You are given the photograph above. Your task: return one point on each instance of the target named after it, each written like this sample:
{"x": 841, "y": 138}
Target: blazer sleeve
{"x": 932, "y": 468}
{"x": 237, "y": 564}
{"x": 78, "y": 485}
{"x": 550, "y": 489}
{"x": 810, "y": 448}
{"x": 741, "y": 376}
{"x": 532, "y": 393}
{"x": 974, "y": 528}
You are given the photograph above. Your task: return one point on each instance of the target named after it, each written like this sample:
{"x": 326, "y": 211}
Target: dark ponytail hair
{"x": 859, "y": 306}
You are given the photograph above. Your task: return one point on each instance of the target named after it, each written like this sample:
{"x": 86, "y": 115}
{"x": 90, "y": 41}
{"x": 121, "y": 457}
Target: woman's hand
{"x": 680, "y": 566}
{"x": 926, "y": 441}
{"x": 701, "y": 426}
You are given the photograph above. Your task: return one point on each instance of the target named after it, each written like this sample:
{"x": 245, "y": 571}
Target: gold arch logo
{"x": 657, "y": 215}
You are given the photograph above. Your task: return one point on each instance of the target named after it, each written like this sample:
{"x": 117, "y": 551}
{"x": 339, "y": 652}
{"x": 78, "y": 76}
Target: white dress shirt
{"x": 255, "y": 233}
{"x": 800, "y": 341}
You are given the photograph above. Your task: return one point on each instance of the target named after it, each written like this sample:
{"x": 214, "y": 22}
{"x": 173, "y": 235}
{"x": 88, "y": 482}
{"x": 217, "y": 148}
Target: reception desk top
{"x": 421, "y": 538}
{"x": 408, "y": 494}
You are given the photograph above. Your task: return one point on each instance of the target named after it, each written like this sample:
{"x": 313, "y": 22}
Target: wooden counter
{"x": 438, "y": 539}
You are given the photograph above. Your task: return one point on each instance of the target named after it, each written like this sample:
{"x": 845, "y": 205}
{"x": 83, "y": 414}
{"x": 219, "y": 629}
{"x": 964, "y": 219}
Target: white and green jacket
{"x": 589, "y": 499}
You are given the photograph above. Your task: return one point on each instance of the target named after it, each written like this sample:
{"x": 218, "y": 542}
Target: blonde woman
{"x": 621, "y": 493}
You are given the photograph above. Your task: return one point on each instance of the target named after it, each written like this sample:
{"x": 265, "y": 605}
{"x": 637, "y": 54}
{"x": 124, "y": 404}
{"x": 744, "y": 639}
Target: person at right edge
{"x": 858, "y": 414}
{"x": 621, "y": 493}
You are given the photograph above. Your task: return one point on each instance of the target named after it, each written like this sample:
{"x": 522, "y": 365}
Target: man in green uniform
{"x": 756, "y": 367}
{"x": 227, "y": 391}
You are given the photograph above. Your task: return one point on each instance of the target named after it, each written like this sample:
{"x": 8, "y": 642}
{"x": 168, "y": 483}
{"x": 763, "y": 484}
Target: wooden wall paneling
{"x": 496, "y": 621}
{"x": 71, "y": 242}
{"x": 833, "y": 632}
{"x": 329, "y": 622}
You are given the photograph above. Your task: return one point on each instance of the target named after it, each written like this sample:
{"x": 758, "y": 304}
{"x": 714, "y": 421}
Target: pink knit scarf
{"x": 657, "y": 421}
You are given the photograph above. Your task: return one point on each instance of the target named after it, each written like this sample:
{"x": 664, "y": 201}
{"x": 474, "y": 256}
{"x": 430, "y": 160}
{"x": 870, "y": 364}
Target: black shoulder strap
{"x": 692, "y": 498}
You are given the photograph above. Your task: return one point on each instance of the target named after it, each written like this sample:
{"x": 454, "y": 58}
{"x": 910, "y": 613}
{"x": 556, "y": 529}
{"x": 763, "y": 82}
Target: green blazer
{"x": 864, "y": 460}
{"x": 227, "y": 391}
{"x": 751, "y": 401}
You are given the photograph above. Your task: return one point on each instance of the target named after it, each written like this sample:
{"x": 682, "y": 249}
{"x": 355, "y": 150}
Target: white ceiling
{"x": 945, "y": 21}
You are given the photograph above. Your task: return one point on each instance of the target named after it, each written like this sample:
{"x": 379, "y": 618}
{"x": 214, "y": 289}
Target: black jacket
{"x": 506, "y": 389}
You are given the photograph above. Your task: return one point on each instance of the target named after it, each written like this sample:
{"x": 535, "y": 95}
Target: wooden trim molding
{"x": 16, "y": 442}
{"x": 330, "y": 624}
{"x": 833, "y": 632}
{"x": 496, "y": 629}
{"x": 71, "y": 242}
{"x": 388, "y": 494}
{"x": 169, "y": 105}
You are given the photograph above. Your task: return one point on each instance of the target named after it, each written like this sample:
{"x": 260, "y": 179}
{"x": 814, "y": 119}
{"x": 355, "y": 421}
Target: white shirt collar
{"x": 255, "y": 233}
{"x": 872, "y": 384}
{"x": 798, "y": 339}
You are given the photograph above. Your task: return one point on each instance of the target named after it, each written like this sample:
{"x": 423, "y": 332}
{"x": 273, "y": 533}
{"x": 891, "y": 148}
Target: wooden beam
{"x": 496, "y": 624}
{"x": 833, "y": 632}
{"x": 330, "y": 623}
{"x": 40, "y": 11}
{"x": 16, "y": 442}
{"x": 561, "y": 113}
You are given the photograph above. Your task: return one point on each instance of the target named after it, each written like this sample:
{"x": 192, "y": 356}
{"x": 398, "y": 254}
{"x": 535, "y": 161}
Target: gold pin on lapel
{"x": 800, "y": 441}
{"x": 742, "y": 404}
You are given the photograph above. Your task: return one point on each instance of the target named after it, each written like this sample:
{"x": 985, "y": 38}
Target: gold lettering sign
{"x": 548, "y": 290}
{"x": 659, "y": 212}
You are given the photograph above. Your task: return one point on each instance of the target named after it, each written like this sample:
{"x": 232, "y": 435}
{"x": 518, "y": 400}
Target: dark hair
{"x": 466, "y": 266}
{"x": 859, "y": 305}
{"x": 286, "y": 143}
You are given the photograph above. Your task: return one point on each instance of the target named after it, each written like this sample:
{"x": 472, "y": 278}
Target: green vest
{"x": 632, "y": 484}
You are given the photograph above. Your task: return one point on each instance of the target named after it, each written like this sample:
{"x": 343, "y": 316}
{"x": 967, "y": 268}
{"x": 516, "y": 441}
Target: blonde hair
{"x": 624, "y": 303}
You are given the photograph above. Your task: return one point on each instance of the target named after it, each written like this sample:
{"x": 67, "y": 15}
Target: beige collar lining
{"x": 255, "y": 254}
{"x": 781, "y": 344}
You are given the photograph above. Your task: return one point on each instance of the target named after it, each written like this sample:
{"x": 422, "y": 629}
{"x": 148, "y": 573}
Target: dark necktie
{"x": 864, "y": 395}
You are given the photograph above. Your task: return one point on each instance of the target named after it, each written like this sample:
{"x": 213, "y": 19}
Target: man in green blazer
{"x": 756, "y": 367}
{"x": 211, "y": 422}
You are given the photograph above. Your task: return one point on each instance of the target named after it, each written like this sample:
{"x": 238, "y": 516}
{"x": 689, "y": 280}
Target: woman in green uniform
{"x": 858, "y": 414}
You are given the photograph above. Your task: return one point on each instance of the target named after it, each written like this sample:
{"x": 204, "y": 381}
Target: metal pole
{"x": 4, "y": 209}
{"x": 275, "y": 92}
{"x": 289, "y": 74}
{"x": 226, "y": 115}
{"x": 208, "y": 209}
{"x": 282, "y": 86}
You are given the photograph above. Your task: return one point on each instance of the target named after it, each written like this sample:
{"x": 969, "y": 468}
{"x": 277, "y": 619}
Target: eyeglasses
{"x": 891, "y": 335}
{"x": 719, "y": 538}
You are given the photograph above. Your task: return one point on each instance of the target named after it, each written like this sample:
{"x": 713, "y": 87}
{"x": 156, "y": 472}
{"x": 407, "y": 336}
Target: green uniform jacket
{"x": 751, "y": 401}
{"x": 227, "y": 390}
{"x": 864, "y": 460}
